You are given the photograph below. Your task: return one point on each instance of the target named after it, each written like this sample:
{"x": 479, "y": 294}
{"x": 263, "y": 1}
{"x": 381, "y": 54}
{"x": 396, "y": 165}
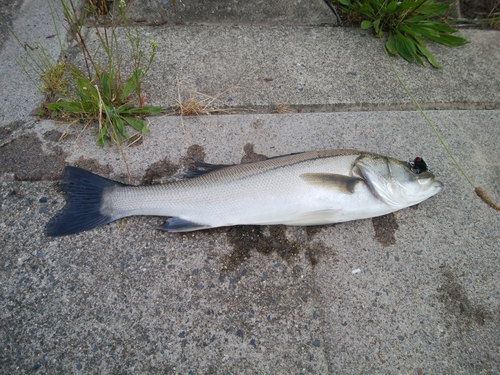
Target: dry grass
{"x": 282, "y": 109}
{"x": 200, "y": 104}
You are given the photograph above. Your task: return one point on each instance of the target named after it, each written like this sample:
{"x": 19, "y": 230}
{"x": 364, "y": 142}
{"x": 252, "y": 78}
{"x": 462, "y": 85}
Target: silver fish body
{"x": 310, "y": 188}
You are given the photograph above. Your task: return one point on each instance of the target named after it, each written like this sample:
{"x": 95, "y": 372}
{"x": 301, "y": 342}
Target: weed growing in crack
{"x": 100, "y": 91}
{"x": 407, "y": 23}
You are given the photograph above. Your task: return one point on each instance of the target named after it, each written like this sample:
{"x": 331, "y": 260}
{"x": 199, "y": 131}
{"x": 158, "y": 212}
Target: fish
{"x": 307, "y": 188}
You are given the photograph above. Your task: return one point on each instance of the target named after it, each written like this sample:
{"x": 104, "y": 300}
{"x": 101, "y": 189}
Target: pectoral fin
{"x": 337, "y": 182}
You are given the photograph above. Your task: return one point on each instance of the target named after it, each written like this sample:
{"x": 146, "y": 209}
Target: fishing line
{"x": 480, "y": 192}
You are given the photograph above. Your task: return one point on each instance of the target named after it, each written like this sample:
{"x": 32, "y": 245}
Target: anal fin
{"x": 176, "y": 224}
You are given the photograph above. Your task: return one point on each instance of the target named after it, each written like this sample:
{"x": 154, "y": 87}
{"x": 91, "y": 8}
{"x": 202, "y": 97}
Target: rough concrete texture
{"x": 126, "y": 298}
{"x": 8, "y": 10}
{"x": 292, "y": 12}
{"x": 322, "y": 68}
{"x": 37, "y": 35}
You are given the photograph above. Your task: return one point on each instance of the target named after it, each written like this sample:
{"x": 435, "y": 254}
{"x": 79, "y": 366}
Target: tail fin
{"x": 83, "y": 196}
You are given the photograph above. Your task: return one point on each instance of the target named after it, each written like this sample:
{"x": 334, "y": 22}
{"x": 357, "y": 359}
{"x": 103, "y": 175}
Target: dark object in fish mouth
{"x": 417, "y": 166}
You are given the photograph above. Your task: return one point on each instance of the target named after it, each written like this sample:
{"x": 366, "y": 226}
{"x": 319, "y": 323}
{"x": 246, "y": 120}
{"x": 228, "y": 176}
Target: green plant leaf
{"x": 105, "y": 86}
{"x": 448, "y": 40}
{"x": 103, "y": 133}
{"x": 345, "y": 2}
{"x": 73, "y": 107}
{"x": 409, "y": 4}
{"x": 130, "y": 86}
{"x": 424, "y": 52}
{"x": 452, "y": 41}
{"x": 391, "y": 45}
{"x": 136, "y": 123}
{"x": 402, "y": 48}
{"x": 432, "y": 10}
{"x": 119, "y": 126}
{"x": 391, "y": 7}
{"x": 366, "y": 24}
{"x": 419, "y": 60}
{"x": 367, "y": 9}
{"x": 146, "y": 110}
{"x": 376, "y": 27}
{"x": 437, "y": 27}
{"x": 410, "y": 44}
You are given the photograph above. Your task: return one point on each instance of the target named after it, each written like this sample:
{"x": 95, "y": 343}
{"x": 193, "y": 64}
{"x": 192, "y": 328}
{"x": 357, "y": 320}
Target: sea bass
{"x": 309, "y": 188}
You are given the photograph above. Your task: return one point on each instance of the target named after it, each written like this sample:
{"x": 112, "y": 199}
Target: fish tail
{"x": 83, "y": 193}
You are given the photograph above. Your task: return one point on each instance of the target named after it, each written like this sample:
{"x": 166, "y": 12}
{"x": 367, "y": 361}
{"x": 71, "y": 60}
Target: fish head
{"x": 393, "y": 182}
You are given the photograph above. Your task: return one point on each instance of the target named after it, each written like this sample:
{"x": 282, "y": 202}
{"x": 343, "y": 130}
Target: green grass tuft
{"x": 407, "y": 24}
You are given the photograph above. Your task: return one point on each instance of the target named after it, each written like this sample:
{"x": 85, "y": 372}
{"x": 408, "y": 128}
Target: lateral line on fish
{"x": 278, "y": 167}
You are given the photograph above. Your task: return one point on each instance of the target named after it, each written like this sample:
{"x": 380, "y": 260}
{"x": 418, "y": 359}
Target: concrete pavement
{"x": 126, "y": 298}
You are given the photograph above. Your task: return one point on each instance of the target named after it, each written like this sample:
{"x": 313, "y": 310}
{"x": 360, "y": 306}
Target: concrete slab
{"x": 279, "y": 12}
{"x": 34, "y": 27}
{"x": 127, "y": 298}
{"x": 314, "y": 68}
{"x": 8, "y": 12}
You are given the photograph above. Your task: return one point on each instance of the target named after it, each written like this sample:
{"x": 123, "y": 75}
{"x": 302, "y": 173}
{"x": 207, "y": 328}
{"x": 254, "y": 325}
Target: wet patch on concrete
{"x": 454, "y": 297}
{"x": 53, "y": 135}
{"x": 312, "y": 230}
{"x": 158, "y": 171}
{"x": 316, "y": 251}
{"x": 244, "y": 239}
{"x": 250, "y": 155}
{"x": 25, "y": 158}
{"x": 257, "y": 124}
{"x": 163, "y": 169}
{"x": 94, "y": 166}
{"x": 318, "y": 248}
{"x": 195, "y": 153}
{"x": 385, "y": 228}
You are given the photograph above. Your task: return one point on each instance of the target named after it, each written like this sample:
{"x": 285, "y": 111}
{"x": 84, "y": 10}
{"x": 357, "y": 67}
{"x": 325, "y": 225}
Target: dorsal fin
{"x": 200, "y": 168}
{"x": 282, "y": 156}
